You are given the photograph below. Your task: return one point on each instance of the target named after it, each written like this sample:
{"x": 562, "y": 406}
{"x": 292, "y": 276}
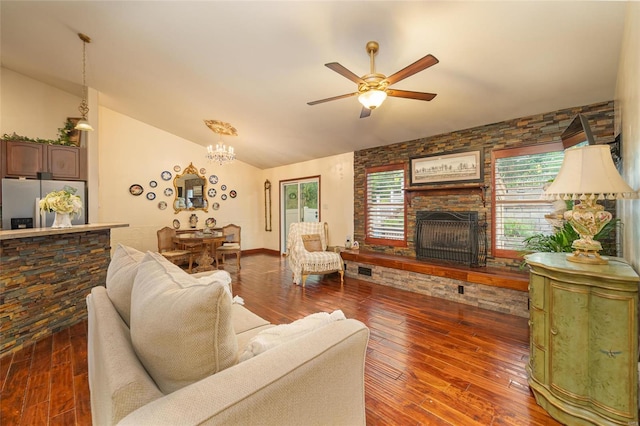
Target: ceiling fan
{"x": 373, "y": 88}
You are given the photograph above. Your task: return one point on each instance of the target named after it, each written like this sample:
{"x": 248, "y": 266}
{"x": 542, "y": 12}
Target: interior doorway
{"x": 299, "y": 202}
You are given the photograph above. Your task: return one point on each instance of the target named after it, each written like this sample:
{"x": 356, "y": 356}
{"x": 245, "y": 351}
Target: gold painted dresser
{"x": 583, "y": 365}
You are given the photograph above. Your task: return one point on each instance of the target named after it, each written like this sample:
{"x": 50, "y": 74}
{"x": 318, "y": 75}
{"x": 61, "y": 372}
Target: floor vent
{"x": 364, "y": 271}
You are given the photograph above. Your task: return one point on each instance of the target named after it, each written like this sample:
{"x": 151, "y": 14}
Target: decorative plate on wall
{"x": 203, "y": 171}
{"x": 213, "y": 179}
{"x": 223, "y": 187}
{"x": 176, "y": 224}
{"x": 153, "y": 183}
{"x": 216, "y": 206}
{"x": 166, "y": 175}
{"x": 210, "y": 222}
{"x": 233, "y": 193}
{"x": 151, "y": 195}
{"x": 136, "y": 189}
{"x": 162, "y": 205}
{"x": 223, "y": 196}
{"x": 212, "y": 192}
{"x": 176, "y": 168}
{"x": 168, "y": 192}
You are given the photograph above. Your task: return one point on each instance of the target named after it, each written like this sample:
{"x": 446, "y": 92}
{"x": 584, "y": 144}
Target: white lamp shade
{"x": 84, "y": 126}
{"x": 589, "y": 170}
{"x": 372, "y": 98}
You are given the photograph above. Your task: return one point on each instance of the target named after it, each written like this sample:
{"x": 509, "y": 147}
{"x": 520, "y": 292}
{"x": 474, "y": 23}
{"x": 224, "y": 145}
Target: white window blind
{"x": 385, "y": 204}
{"x": 518, "y": 188}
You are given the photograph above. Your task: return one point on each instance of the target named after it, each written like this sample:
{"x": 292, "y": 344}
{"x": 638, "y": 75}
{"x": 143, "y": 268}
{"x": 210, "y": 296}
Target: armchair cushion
{"x": 181, "y": 326}
{"x": 312, "y": 242}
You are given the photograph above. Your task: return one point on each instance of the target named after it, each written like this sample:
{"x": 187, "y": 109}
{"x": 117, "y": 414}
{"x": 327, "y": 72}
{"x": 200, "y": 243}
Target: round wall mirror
{"x": 190, "y": 190}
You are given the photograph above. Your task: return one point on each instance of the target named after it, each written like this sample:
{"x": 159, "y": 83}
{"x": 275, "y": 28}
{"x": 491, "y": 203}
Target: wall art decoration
{"x": 447, "y": 168}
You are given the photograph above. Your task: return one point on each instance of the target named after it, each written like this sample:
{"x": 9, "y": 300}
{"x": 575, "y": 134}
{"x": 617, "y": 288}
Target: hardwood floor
{"x": 429, "y": 361}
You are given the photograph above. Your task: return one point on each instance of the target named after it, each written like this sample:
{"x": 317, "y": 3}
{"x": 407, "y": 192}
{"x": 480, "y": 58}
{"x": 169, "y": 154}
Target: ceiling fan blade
{"x": 411, "y": 95}
{"x": 417, "y": 66}
{"x": 335, "y": 98}
{"x": 344, "y": 72}
{"x": 365, "y": 112}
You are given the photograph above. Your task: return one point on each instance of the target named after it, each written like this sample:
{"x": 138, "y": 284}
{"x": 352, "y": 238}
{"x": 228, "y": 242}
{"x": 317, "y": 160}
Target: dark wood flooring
{"x": 429, "y": 361}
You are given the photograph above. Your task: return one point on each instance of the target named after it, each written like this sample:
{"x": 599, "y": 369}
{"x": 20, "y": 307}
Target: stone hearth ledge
{"x": 486, "y": 287}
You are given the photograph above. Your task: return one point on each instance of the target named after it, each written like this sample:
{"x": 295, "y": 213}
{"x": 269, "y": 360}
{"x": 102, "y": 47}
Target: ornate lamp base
{"x": 587, "y": 256}
{"x": 587, "y": 218}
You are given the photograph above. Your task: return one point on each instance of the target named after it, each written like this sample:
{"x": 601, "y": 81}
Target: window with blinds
{"x": 519, "y": 177}
{"x": 385, "y": 212}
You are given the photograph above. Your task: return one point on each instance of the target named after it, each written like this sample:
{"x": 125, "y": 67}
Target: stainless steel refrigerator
{"x": 20, "y": 198}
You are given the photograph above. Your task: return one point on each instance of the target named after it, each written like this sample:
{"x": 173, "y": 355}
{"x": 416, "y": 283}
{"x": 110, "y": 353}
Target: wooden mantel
{"x": 411, "y": 192}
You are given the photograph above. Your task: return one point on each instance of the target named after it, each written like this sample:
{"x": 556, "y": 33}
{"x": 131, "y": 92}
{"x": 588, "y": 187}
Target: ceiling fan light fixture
{"x": 372, "y": 98}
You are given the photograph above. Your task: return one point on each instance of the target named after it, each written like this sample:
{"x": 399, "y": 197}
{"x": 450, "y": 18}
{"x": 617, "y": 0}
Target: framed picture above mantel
{"x": 439, "y": 169}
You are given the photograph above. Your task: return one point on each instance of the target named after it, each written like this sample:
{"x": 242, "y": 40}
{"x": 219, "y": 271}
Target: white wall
{"x": 132, "y": 152}
{"x": 627, "y": 103}
{"x": 336, "y": 195}
{"x": 33, "y": 109}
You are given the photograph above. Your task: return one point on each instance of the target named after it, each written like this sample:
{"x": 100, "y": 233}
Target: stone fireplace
{"x": 457, "y": 237}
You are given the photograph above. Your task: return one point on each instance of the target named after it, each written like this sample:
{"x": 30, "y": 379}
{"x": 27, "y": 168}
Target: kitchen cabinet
{"x": 583, "y": 365}
{"x": 26, "y": 159}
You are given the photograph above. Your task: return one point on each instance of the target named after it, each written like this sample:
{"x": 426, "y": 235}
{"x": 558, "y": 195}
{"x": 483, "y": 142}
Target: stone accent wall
{"x": 520, "y": 132}
{"x": 44, "y": 281}
{"x": 498, "y": 299}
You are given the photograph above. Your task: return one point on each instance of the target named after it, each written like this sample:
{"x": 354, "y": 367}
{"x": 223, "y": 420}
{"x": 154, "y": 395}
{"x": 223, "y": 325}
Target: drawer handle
{"x": 554, "y": 331}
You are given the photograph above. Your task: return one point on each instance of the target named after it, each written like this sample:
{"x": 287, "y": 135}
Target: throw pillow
{"x": 274, "y": 336}
{"x": 121, "y": 272}
{"x": 312, "y": 242}
{"x": 181, "y": 326}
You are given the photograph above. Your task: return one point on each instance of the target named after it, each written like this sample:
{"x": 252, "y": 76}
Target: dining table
{"x": 205, "y": 242}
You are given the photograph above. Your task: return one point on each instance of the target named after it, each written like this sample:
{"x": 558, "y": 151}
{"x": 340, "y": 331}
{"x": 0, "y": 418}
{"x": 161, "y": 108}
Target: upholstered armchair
{"x": 306, "y": 252}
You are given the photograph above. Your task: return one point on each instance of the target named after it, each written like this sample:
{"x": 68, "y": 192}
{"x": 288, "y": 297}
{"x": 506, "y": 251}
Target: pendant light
{"x": 83, "y": 124}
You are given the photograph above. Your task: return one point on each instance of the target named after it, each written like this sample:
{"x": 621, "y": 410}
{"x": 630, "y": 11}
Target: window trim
{"x": 384, "y": 241}
{"x": 506, "y": 153}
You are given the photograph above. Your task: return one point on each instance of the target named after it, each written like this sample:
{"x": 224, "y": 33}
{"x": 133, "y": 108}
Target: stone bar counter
{"x": 45, "y": 275}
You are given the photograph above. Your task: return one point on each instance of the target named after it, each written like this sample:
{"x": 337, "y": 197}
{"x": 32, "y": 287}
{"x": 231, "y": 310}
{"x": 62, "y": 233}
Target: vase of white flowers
{"x": 65, "y": 204}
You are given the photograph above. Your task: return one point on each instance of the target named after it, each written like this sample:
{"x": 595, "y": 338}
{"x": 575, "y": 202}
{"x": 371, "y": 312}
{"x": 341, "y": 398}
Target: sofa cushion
{"x": 181, "y": 326}
{"x": 121, "y": 273}
{"x": 271, "y": 337}
{"x": 245, "y": 320}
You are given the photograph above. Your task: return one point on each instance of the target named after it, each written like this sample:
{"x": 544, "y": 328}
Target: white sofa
{"x": 317, "y": 378}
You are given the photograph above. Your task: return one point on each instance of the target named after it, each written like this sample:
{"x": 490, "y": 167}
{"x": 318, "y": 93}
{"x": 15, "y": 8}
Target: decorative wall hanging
{"x": 136, "y": 189}
{"x": 267, "y": 205}
{"x": 455, "y": 167}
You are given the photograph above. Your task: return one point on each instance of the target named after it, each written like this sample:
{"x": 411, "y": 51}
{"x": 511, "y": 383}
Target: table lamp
{"x": 588, "y": 174}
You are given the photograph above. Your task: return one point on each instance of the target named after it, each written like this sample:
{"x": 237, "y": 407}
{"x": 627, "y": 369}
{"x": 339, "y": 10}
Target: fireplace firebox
{"x": 457, "y": 237}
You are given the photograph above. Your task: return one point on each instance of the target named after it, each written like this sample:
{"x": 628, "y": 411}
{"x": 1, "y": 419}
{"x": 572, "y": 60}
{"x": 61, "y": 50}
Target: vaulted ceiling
{"x": 172, "y": 64}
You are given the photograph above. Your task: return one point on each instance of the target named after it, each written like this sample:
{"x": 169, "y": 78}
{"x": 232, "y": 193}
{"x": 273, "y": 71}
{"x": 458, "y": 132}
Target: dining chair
{"x": 169, "y": 249}
{"x": 231, "y": 245}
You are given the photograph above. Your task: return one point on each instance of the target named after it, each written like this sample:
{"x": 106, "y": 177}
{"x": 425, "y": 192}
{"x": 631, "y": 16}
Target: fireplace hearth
{"x": 456, "y": 237}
